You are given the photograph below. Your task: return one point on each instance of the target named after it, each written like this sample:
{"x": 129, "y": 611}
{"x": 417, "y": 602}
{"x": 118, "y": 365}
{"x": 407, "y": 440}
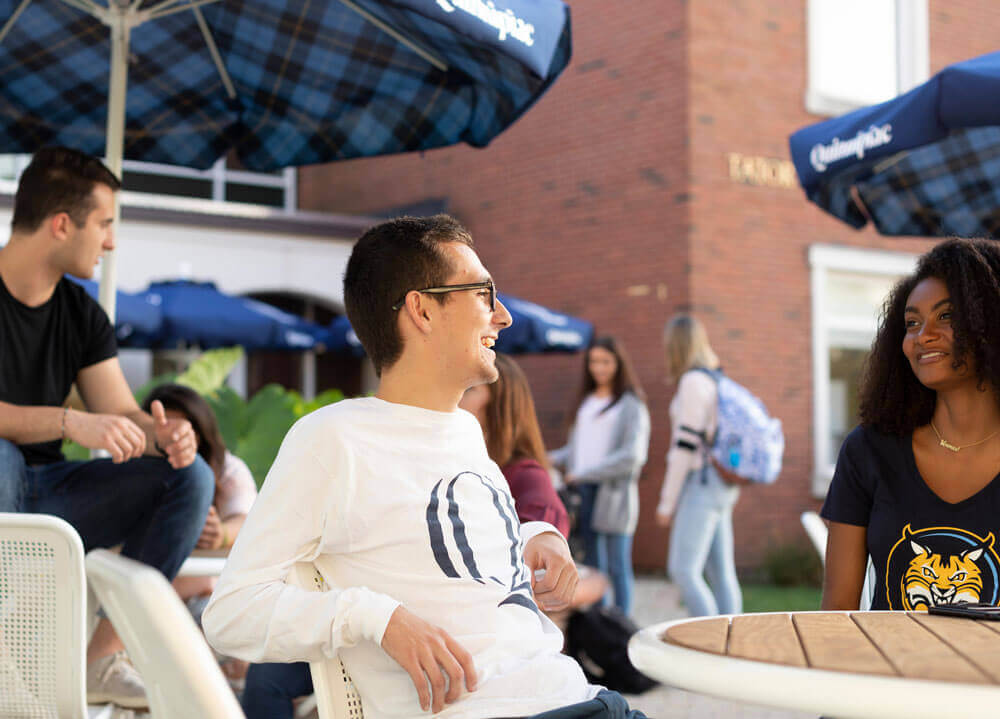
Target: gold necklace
{"x": 955, "y": 448}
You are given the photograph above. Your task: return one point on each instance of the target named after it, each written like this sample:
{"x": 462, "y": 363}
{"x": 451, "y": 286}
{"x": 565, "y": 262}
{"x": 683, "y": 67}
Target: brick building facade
{"x": 652, "y": 179}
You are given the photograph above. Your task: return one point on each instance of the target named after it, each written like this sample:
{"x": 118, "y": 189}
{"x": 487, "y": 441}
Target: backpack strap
{"x": 715, "y": 374}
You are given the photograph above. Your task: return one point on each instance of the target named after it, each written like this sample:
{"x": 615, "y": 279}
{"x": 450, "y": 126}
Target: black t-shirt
{"x": 925, "y": 550}
{"x": 43, "y": 348}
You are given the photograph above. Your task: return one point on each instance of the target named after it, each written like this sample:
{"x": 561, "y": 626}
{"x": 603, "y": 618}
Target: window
{"x": 862, "y": 52}
{"x": 223, "y": 182}
{"x": 846, "y": 302}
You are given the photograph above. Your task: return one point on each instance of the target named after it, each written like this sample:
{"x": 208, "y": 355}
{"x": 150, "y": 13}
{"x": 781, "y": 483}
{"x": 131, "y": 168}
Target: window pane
{"x": 852, "y": 50}
{"x": 845, "y": 376}
{"x": 167, "y": 185}
{"x": 255, "y": 194}
{"x": 856, "y": 298}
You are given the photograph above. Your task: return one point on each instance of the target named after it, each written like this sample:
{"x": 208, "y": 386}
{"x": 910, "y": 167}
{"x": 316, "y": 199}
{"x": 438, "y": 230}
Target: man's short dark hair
{"x": 59, "y": 179}
{"x": 388, "y": 261}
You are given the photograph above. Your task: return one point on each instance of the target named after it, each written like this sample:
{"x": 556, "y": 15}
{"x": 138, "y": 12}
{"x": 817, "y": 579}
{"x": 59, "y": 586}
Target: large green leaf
{"x": 270, "y": 414}
{"x": 209, "y": 371}
{"x": 231, "y": 412}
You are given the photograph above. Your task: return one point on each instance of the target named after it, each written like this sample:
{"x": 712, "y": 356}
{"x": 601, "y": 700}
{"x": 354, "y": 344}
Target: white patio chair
{"x": 335, "y": 693}
{"x": 183, "y": 679}
{"x": 816, "y": 529}
{"x": 42, "y": 618}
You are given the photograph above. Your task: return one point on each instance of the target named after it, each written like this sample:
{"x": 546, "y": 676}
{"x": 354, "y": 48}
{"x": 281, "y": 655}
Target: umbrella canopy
{"x": 197, "y": 313}
{"x": 282, "y": 82}
{"x": 535, "y": 329}
{"x": 926, "y": 163}
{"x": 137, "y": 314}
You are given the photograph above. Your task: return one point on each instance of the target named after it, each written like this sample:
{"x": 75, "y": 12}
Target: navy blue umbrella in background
{"x": 926, "y": 163}
{"x": 535, "y": 329}
{"x": 138, "y": 314}
{"x": 198, "y": 314}
{"x": 343, "y": 339}
{"x": 539, "y": 329}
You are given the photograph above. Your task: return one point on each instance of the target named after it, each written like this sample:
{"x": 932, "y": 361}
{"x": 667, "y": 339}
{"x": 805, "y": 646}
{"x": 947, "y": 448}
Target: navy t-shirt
{"x": 925, "y": 550}
{"x": 42, "y": 349}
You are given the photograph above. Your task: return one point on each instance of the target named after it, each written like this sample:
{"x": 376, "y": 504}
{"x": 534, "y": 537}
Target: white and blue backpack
{"x": 748, "y": 441}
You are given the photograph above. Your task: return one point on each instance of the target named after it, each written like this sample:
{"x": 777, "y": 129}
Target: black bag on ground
{"x": 597, "y": 638}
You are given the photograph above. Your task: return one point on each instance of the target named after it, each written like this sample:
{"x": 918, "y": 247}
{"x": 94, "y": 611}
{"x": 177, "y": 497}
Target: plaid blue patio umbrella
{"x": 197, "y": 313}
{"x": 535, "y": 329}
{"x": 280, "y": 82}
{"x": 926, "y": 163}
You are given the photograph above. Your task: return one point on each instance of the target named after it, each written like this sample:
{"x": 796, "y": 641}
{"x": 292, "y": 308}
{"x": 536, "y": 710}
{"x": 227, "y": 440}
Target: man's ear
{"x": 418, "y": 311}
{"x": 61, "y": 225}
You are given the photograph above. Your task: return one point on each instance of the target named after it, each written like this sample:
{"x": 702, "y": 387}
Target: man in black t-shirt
{"x": 153, "y": 494}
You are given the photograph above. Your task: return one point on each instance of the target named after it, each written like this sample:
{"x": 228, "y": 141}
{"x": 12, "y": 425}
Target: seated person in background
{"x": 915, "y": 485}
{"x": 153, "y": 493}
{"x": 235, "y": 489}
{"x": 506, "y": 412}
{"x": 433, "y": 601}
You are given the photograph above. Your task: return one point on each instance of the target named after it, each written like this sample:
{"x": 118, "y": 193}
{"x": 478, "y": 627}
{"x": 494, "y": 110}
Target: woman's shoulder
{"x": 865, "y": 443}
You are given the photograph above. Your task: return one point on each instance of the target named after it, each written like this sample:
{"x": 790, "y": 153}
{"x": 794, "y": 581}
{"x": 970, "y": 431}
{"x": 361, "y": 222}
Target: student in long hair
{"x": 696, "y": 502}
{"x": 915, "y": 484}
{"x": 506, "y": 412}
{"x": 603, "y": 458}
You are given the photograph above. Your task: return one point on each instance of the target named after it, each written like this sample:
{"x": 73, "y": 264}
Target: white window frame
{"x": 218, "y": 174}
{"x": 852, "y": 334}
{"x": 912, "y": 54}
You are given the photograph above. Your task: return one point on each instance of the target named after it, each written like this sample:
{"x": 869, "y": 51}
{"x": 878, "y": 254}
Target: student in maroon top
{"x": 506, "y": 412}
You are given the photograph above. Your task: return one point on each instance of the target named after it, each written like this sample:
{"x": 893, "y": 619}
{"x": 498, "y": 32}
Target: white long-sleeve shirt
{"x": 693, "y": 412}
{"x": 394, "y": 504}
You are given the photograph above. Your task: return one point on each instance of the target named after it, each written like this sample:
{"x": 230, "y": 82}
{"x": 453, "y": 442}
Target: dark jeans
{"x": 270, "y": 689}
{"x": 606, "y": 705}
{"x": 154, "y": 511}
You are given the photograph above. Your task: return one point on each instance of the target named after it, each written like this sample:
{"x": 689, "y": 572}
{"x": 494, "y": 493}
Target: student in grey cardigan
{"x": 603, "y": 459}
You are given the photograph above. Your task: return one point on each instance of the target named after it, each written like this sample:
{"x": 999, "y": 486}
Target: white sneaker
{"x": 114, "y": 679}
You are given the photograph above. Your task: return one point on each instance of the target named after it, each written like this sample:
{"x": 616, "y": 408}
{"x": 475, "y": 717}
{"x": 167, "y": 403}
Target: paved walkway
{"x": 657, "y": 600}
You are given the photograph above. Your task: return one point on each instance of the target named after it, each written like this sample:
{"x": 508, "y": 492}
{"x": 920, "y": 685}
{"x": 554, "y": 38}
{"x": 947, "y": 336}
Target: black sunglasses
{"x": 444, "y": 289}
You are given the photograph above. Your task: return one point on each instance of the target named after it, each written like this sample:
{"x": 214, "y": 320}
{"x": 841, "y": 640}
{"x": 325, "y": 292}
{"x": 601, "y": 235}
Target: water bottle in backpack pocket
{"x": 748, "y": 442}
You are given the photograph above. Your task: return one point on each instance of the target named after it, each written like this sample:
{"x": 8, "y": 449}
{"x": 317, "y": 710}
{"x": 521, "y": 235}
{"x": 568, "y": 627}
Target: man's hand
{"x": 174, "y": 437}
{"x": 429, "y": 655}
{"x": 555, "y": 589}
{"x": 663, "y": 519}
{"x": 211, "y": 533}
{"x": 120, "y": 436}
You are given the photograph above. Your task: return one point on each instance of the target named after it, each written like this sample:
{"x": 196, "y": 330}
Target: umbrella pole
{"x": 114, "y": 149}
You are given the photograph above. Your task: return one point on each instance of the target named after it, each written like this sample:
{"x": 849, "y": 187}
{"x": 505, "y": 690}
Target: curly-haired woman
{"x": 917, "y": 485}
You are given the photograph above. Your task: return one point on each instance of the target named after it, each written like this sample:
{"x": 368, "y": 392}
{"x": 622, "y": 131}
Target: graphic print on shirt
{"x": 512, "y": 574}
{"x": 941, "y": 565}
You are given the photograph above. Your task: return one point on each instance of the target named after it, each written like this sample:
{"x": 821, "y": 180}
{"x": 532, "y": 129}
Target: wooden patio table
{"x": 840, "y": 664}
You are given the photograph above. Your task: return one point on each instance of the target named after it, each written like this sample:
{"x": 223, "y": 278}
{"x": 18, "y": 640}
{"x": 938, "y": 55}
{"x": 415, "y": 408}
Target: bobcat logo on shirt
{"x": 942, "y": 565}
{"x": 465, "y": 564}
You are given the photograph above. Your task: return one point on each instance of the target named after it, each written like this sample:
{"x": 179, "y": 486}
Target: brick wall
{"x": 611, "y": 199}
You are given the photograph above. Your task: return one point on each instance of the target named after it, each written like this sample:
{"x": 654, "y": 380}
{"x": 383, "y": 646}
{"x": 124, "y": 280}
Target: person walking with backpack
{"x": 603, "y": 459}
{"x": 695, "y": 501}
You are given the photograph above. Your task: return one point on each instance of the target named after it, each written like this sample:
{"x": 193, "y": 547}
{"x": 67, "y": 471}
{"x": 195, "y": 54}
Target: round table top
{"x": 844, "y": 664}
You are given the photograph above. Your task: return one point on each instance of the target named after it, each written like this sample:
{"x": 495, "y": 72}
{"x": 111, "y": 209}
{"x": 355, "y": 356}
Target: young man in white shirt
{"x": 435, "y": 588}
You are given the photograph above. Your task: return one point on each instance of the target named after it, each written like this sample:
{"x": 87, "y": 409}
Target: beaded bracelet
{"x": 62, "y": 430}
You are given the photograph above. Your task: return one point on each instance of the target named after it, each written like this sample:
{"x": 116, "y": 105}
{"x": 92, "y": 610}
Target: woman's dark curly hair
{"x": 893, "y": 401}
